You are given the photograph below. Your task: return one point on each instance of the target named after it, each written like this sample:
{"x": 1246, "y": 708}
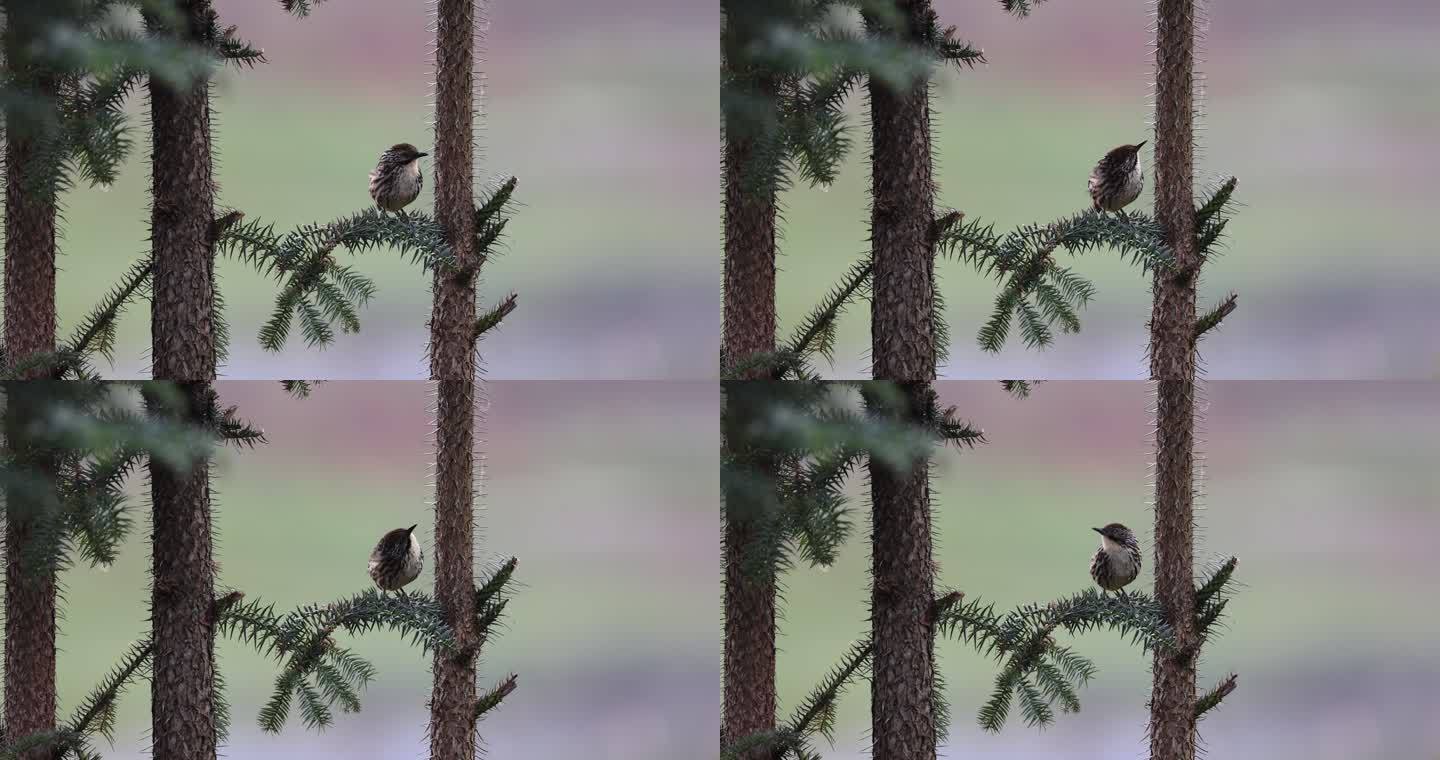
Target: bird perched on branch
{"x": 1117, "y": 562}
{"x": 397, "y": 559}
{"x": 1117, "y": 180}
{"x": 396, "y": 181}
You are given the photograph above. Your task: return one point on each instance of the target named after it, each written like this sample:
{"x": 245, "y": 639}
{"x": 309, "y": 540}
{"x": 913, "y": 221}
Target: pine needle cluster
{"x": 92, "y": 436}
{"x": 811, "y": 437}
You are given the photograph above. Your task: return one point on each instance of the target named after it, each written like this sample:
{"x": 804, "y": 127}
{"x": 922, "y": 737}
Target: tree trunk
{"x": 29, "y": 330}
{"x": 902, "y": 330}
{"x": 182, "y": 702}
{"x": 902, "y": 350}
{"x": 1172, "y": 368}
{"x": 29, "y": 596}
{"x": 749, "y": 329}
{"x": 452, "y": 367}
{"x": 29, "y": 250}
{"x": 749, "y": 323}
{"x": 749, "y": 668}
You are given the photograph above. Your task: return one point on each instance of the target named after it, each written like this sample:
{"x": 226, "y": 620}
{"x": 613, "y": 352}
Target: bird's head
{"x": 1115, "y": 535}
{"x": 406, "y": 152}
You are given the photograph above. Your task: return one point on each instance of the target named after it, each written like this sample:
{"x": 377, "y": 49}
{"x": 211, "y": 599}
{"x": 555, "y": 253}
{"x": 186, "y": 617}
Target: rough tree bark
{"x": 749, "y": 667}
{"x": 903, "y": 351}
{"x": 29, "y": 595}
{"x": 749, "y": 329}
{"x": 1172, "y": 368}
{"x": 29, "y": 329}
{"x": 749, "y": 323}
{"x": 452, "y": 367}
{"x": 182, "y": 702}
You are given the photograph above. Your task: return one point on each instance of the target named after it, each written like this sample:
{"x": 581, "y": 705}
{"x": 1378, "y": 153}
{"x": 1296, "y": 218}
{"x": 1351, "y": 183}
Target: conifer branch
{"x": 300, "y": 389}
{"x": 55, "y": 365}
{"x": 318, "y": 673}
{"x": 1208, "y": 615}
{"x": 1218, "y": 202}
{"x": 487, "y": 616}
{"x": 816, "y": 333}
{"x": 491, "y": 319}
{"x": 486, "y": 236}
{"x": 943, "y": 224}
{"x": 816, "y": 713}
{"x": 768, "y": 740}
{"x": 1037, "y": 291}
{"x": 492, "y": 698}
{"x": 1218, "y": 582}
{"x": 231, "y": 49}
{"x": 956, "y": 52}
{"x": 1019, "y": 8}
{"x": 59, "y": 739}
{"x": 1211, "y": 699}
{"x": 776, "y": 364}
{"x": 96, "y": 333}
{"x": 1212, "y": 318}
{"x": 1020, "y": 389}
{"x": 222, "y": 224}
{"x": 96, "y": 713}
{"x": 495, "y": 204}
{"x": 300, "y": 8}
{"x": 496, "y": 584}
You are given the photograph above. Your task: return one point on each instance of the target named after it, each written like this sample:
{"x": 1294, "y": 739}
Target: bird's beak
{"x": 1138, "y": 146}
{"x": 1097, "y": 530}
{"x": 413, "y": 527}
{"x": 421, "y": 155}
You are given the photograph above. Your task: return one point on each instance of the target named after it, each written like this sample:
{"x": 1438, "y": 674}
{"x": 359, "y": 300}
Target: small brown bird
{"x": 396, "y": 181}
{"x": 1117, "y": 562}
{"x": 397, "y": 559}
{"x": 1117, "y": 180}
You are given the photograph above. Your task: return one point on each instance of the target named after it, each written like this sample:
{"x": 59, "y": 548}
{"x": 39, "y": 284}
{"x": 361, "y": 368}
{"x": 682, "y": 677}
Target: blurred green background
{"x": 607, "y": 115}
{"x": 1326, "y": 491}
{"x": 606, "y": 492}
{"x": 1318, "y": 106}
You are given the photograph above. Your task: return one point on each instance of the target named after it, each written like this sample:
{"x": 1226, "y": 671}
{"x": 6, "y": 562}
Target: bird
{"x": 397, "y": 559}
{"x": 396, "y": 181}
{"x": 1117, "y": 561}
{"x": 1117, "y": 180}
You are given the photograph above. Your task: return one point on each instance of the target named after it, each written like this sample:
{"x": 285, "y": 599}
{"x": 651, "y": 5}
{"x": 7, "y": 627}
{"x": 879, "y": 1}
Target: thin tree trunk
{"x": 1172, "y": 367}
{"x": 182, "y": 702}
{"x": 452, "y": 367}
{"x": 749, "y": 329}
{"x": 902, "y": 350}
{"x": 29, "y": 330}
